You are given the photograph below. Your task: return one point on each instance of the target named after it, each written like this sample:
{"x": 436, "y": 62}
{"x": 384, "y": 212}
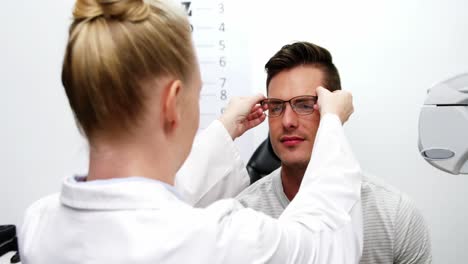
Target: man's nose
{"x": 289, "y": 120}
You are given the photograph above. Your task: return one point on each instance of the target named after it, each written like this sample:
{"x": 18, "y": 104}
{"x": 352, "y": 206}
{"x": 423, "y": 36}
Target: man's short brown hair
{"x": 304, "y": 53}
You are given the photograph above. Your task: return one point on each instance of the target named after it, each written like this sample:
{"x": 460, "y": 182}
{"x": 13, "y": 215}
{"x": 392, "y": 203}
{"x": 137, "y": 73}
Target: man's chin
{"x": 298, "y": 157}
{"x": 295, "y": 163}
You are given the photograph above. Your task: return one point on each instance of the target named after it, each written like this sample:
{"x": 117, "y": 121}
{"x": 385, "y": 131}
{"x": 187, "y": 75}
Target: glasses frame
{"x": 291, "y": 103}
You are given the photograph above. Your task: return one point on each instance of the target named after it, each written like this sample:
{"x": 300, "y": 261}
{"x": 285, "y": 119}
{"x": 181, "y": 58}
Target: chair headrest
{"x": 263, "y": 161}
{"x": 8, "y": 241}
{"x": 7, "y": 232}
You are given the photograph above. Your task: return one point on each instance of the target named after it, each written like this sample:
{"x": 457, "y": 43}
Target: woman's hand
{"x": 242, "y": 114}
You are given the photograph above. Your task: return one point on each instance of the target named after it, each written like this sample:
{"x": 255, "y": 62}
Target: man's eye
{"x": 305, "y": 105}
{"x": 275, "y": 107}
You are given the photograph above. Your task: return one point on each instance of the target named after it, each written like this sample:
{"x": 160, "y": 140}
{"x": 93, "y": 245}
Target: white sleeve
{"x": 316, "y": 227}
{"x": 213, "y": 170}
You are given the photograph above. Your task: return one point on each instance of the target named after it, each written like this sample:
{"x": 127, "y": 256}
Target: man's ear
{"x": 171, "y": 100}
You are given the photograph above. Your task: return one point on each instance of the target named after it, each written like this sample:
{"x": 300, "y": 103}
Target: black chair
{"x": 263, "y": 161}
{"x": 9, "y": 242}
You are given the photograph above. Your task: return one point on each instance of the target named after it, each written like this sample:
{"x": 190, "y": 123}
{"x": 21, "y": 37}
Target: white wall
{"x": 38, "y": 136}
{"x": 389, "y": 52}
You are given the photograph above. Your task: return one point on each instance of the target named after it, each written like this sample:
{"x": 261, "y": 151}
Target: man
{"x": 394, "y": 230}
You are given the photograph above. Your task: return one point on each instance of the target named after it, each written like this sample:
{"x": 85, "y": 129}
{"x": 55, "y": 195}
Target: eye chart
{"x": 223, "y": 54}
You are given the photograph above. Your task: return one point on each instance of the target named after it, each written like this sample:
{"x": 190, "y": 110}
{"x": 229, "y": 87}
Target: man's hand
{"x": 338, "y": 102}
{"x": 242, "y": 114}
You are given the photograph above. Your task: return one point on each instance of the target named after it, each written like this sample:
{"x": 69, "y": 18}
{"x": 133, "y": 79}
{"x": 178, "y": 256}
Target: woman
{"x": 132, "y": 80}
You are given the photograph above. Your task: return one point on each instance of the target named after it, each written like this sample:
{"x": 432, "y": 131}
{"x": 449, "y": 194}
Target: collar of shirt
{"x": 117, "y": 194}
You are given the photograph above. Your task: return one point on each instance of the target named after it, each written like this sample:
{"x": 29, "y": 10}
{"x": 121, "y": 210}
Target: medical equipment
{"x": 443, "y": 125}
{"x": 8, "y": 244}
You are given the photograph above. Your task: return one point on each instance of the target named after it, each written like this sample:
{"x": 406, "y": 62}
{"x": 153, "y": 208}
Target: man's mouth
{"x": 291, "y": 141}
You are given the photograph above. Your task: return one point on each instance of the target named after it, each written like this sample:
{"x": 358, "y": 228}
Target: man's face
{"x": 292, "y": 136}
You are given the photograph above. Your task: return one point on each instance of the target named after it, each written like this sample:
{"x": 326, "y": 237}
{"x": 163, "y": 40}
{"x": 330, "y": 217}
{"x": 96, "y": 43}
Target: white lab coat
{"x": 137, "y": 220}
{"x": 214, "y": 169}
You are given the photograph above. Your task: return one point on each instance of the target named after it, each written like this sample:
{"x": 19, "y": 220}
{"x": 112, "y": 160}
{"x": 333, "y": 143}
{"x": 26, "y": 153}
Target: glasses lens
{"x": 274, "y": 107}
{"x": 304, "y": 105}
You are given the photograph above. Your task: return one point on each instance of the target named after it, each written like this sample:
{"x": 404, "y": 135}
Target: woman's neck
{"x": 124, "y": 159}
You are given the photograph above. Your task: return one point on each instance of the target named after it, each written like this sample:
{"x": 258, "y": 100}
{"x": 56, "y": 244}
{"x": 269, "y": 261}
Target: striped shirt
{"x": 394, "y": 230}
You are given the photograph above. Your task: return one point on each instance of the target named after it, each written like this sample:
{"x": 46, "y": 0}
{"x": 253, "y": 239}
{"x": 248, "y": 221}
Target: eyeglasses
{"x": 301, "y": 105}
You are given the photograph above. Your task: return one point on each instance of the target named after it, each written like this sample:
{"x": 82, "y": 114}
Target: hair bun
{"x": 130, "y": 10}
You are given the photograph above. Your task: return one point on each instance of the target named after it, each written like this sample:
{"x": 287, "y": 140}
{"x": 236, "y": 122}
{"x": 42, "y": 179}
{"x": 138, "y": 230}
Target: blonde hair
{"x": 113, "y": 46}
